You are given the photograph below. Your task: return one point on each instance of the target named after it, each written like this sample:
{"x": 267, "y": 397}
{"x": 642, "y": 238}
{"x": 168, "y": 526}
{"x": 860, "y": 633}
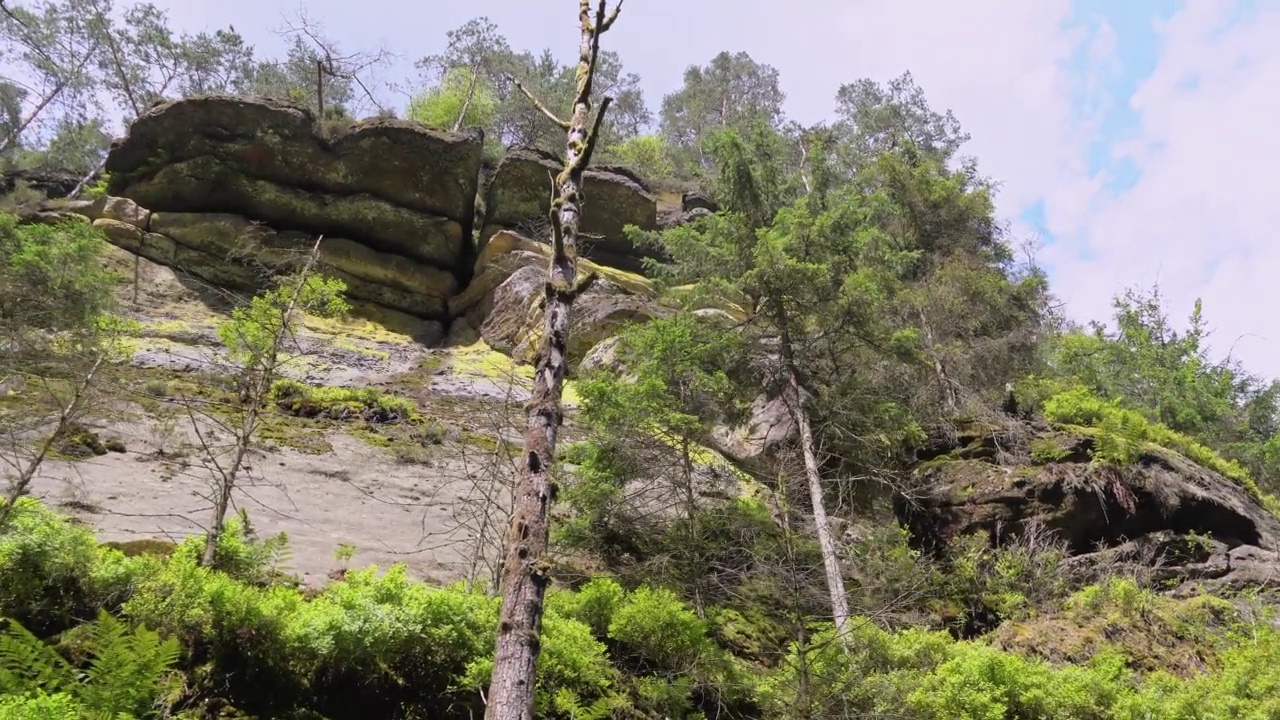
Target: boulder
{"x": 768, "y": 426}
{"x": 48, "y": 182}
{"x": 519, "y": 197}
{"x": 393, "y": 185}
{"x": 109, "y": 207}
{"x": 504, "y": 300}
{"x": 1104, "y": 514}
{"x": 119, "y": 233}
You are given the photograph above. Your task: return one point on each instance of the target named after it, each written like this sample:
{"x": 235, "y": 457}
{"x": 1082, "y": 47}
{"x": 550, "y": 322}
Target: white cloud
{"x": 1203, "y": 217}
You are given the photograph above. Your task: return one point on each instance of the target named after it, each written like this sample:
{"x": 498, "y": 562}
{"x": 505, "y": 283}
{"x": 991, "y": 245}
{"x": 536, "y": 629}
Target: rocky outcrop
{"x": 504, "y": 300}
{"x": 48, "y": 182}
{"x": 197, "y": 182}
{"x": 393, "y": 199}
{"x": 1163, "y": 515}
{"x": 518, "y": 197}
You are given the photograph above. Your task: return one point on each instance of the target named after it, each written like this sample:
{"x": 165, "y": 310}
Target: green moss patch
{"x": 1150, "y": 631}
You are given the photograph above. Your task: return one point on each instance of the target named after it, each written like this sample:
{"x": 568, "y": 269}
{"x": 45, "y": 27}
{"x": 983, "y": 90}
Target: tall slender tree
{"x": 524, "y": 576}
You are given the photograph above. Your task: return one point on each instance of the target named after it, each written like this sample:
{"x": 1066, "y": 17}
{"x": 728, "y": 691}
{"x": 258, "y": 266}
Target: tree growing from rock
{"x": 525, "y": 573}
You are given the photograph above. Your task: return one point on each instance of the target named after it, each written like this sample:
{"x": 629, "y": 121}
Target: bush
{"x": 1121, "y": 434}
{"x": 381, "y": 645}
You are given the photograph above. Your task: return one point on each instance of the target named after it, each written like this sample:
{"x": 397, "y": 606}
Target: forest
{"x": 856, "y": 270}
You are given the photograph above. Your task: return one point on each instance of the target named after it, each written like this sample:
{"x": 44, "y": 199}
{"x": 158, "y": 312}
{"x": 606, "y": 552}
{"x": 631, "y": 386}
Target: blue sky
{"x": 1103, "y": 87}
{"x": 1133, "y": 138}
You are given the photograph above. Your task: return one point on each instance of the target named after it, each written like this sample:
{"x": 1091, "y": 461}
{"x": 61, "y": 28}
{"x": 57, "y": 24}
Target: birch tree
{"x": 524, "y": 577}
{"x": 48, "y": 53}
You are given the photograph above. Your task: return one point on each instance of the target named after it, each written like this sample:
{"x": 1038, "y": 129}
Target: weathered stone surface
{"x": 389, "y": 280}
{"x": 768, "y": 425}
{"x": 50, "y": 183}
{"x": 120, "y": 209}
{"x": 277, "y": 141}
{"x": 203, "y": 185}
{"x": 676, "y": 208}
{"x": 519, "y": 197}
{"x": 1133, "y": 514}
{"x": 604, "y": 356}
{"x": 120, "y": 233}
{"x": 504, "y": 299}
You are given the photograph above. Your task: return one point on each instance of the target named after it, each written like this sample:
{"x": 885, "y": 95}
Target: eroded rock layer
{"x": 394, "y": 200}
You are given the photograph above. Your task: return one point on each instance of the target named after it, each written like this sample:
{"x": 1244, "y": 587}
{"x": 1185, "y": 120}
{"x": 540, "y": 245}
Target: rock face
{"x": 224, "y": 187}
{"x": 394, "y": 200}
{"x": 51, "y": 183}
{"x": 504, "y": 299}
{"x": 1163, "y": 515}
{"x": 519, "y": 196}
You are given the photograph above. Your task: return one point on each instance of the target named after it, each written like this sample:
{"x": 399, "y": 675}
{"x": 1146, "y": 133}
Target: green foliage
{"x": 1144, "y": 365}
{"x": 341, "y": 403}
{"x": 51, "y": 578}
{"x": 1047, "y": 450}
{"x": 443, "y": 105}
{"x": 1123, "y": 435}
{"x": 57, "y": 293}
{"x": 99, "y": 187}
{"x": 254, "y": 334}
{"x": 648, "y": 155}
{"x": 126, "y": 670}
{"x": 380, "y": 644}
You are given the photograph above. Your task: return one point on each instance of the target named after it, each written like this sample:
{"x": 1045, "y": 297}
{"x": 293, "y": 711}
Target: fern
{"x": 127, "y": 669}
{"x": 27, "y": 664}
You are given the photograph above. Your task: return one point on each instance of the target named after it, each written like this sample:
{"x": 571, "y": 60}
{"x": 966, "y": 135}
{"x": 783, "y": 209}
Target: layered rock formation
{"x": 250, "y": 179}
{"x": 1163, "y": 515}
{"x": 504, "y": 300}
{"x": 519, "y": 197}
{"x": 394, "y": 200}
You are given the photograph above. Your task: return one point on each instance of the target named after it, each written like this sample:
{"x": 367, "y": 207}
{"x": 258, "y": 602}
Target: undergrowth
{"x": 1122, "y": 435}
{"x": 92, "y": 630}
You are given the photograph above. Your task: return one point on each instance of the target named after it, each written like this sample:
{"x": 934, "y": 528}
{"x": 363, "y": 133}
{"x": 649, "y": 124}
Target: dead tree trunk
{"x": 822, "y": 525}
{"x": 524, "y": 576}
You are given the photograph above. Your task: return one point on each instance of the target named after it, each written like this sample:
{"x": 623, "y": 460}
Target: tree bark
{"x": 822, "y": 524}
{"x": 524, "y": 576}
{"x": 466, "y": 103}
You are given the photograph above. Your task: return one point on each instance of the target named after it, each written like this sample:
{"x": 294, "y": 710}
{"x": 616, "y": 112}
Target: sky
{"x": 1131, "y": 137}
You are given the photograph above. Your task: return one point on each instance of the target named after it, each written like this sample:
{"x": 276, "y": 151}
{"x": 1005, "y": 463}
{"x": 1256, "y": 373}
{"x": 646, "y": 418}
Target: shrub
{"x": 1121, "y": 434}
